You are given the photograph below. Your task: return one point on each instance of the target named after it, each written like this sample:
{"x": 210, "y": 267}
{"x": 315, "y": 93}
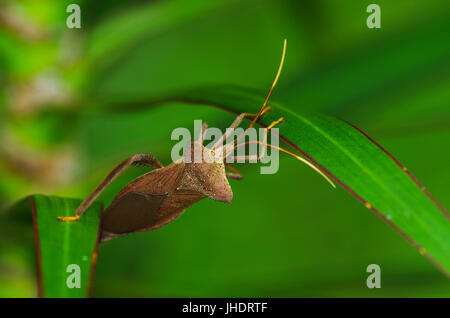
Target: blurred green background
{"x": 285, "y": 235}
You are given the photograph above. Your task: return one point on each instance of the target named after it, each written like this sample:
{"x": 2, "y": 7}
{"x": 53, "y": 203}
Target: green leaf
{"x": 61, "y": 244}
{"x": 352, "y": 159}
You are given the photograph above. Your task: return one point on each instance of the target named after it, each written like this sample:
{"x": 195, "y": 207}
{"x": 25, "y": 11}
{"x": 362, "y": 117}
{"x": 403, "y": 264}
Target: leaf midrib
{"x": 363, "y": 168}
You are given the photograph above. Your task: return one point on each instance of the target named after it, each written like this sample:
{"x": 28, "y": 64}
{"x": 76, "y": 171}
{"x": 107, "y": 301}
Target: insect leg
{"x": 231, "y": 175}
{"x": 139, "y": 159}
{"x": 202, "y": 133}
{"x": 295, "y": 156}
{"x": 273, "y": 124}
{"x": 234, "y": 174}
{"x": 237, "y": 122}
{"x": 264, "y": 147}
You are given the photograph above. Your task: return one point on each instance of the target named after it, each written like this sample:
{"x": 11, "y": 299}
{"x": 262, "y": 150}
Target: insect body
{"x": 159, "y": 196}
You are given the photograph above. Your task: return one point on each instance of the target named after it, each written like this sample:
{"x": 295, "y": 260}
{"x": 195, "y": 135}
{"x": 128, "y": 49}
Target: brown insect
{"x": 159, "y": 196}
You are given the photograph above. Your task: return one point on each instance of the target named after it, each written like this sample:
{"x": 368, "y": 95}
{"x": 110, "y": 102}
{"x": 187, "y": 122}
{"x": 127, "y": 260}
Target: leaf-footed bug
{"x": 159, "y": 196}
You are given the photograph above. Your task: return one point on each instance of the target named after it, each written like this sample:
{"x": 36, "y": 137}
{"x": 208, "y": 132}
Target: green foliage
{"x": 285, "y": 235}
{"x": 58, "y": 245}
{"x": 355, "y": 161}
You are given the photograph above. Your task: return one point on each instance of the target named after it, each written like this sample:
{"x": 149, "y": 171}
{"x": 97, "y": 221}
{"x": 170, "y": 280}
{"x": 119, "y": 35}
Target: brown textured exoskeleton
{"x": 159, "y": 196}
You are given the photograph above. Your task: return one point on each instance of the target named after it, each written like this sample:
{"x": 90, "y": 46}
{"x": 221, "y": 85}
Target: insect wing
{"x": 133, "y": 212}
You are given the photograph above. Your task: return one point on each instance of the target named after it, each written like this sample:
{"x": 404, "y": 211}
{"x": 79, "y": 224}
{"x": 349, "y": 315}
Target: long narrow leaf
{"x": 353, "y": 160}
{"x": 66, "y": 252}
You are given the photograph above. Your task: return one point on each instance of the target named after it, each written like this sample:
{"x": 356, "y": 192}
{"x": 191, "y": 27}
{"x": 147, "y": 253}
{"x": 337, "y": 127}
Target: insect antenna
{"x": 292, "y": 155}
{"x": 261, "y": 110}
{"x": 272, "y": 87}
